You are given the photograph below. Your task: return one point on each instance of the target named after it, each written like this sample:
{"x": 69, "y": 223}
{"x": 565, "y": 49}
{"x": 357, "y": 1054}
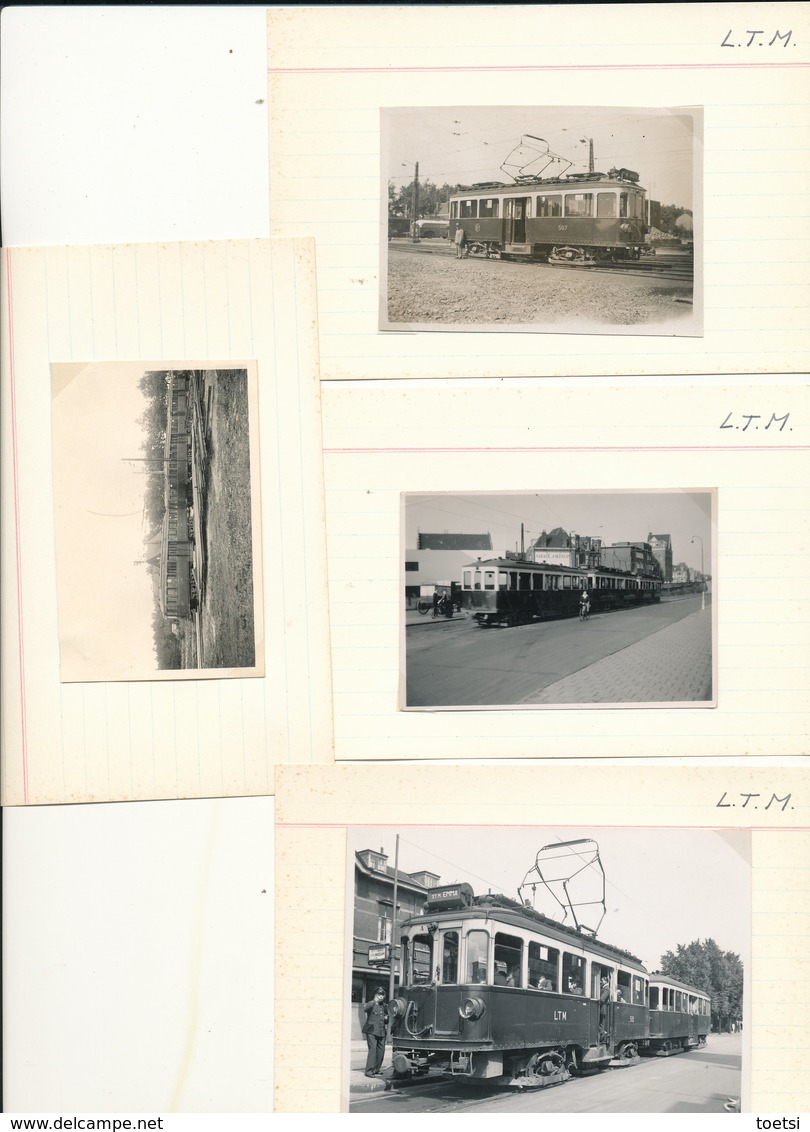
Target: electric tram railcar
{"x": 579, "y": 218}
{"x": 492, "y": 989}
{"x": 506, "y": 591}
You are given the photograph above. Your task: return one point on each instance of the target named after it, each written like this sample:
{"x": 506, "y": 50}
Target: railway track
{"x": 680, "y": 267}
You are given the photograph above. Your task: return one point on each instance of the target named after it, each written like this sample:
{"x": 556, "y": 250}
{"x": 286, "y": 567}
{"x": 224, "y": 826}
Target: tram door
{"x": 516, "y": 209}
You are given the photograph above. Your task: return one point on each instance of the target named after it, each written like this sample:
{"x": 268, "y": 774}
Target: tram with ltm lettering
{"x": 494, "y": 990}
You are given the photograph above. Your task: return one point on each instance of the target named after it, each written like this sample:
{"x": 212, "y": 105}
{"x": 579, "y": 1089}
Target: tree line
{"x": 718, "y": 973}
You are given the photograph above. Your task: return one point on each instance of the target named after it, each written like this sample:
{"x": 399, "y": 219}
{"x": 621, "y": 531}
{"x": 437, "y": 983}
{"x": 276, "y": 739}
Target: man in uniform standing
{"x": 375, "y": 1030}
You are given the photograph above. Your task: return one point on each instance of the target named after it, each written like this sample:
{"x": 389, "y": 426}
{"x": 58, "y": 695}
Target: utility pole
{"x": 415, "y": 205}
{"x": 392, "y": 969}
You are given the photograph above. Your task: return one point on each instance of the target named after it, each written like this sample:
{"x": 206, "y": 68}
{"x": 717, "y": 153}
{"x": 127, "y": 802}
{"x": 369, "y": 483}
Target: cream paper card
{"x": 621, "y": 464}
{"x": 709, "y": 104}
{"x": 320, "y": 815}
{"x": 89, "y": 716}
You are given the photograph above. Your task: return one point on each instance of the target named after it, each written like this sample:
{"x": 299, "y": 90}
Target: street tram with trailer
{"x": 492, "y": 989}
{"x": 508, "y": 591}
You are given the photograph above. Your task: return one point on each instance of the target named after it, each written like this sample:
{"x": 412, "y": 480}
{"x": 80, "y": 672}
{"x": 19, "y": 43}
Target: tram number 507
{"x": 562, "y": 227}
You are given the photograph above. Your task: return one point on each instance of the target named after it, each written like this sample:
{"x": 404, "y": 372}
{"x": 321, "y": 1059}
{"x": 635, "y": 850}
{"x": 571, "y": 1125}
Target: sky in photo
{"x": 105, "y": 592}
{"x": 468, "y": 144}
{"x": 663, "y": 886}
{"x": 610, "y": 516}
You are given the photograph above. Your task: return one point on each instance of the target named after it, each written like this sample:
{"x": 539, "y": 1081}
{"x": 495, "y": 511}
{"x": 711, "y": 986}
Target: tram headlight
{"x": 472, "y": 1008}
{"x": 397, "y": 1007}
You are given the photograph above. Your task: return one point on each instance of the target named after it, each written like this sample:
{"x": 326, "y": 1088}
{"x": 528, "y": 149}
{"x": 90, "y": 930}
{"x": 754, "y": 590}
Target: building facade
{"x": 561, "y": 548}
{"x": 634, "y": 557}
{"x": 662, "y": 549}
{"x": 374, "y": 920}
{"x": 440, "y": 558}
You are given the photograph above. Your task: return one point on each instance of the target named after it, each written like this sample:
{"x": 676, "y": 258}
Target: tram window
{"x": 488, "y": 207}
{"x": 508, "y": 960}
{"x": 469, "y": 209}
{"x": 503, "y": 580}
{"x": 450, "y": 957}
{"x": 638, "y": 991}
{"x": 544, "y": 963}
{"x": 513, "y": 579}
{"x": 477, "y": 954}
{"x": 692, "y": 1004}
{"x": 477, "y": 585}
{"x": 467, "y": 583}
{"x": 421, "y": 953}
{"x": 679, "y": 1000}
{"x": 524, "y": 581}
{"x": 579, "y": 204}
{"x": 489, "y": 579}
{"x": 537, "y": 581}
{"x": 454, "y": 210}
{"x": 653, "y": 998}
{"x": 573, "y": 973}
{"x": 623, "y": 982}
{"x": 606, "y": 204}
{"x": 566, "y": 581}
{"x": 549, "y": 206}
{"x": 622, "y": 204}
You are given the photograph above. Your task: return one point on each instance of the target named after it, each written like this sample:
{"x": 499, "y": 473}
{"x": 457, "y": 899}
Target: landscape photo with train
{"x": 554, "y": 598}
{"x": 161, "y": 467}
{"x": 577, "y": 219}
{"x": 514, "y": 961}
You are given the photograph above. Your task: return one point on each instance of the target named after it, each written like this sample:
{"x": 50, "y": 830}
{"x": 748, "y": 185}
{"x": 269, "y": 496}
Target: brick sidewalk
{"x": 670, "y": 666}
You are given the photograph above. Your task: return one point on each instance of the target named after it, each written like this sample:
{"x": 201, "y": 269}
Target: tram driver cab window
{"x": 450, "y": 957}
{"x": 418, "y": 959}
{"x": 653, "y": 998}
{"x": 477, "y": 956}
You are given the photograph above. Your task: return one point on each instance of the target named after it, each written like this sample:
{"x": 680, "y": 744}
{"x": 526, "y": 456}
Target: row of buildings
{"x": 440, "y": 558}
{"x": 373, "y": 922}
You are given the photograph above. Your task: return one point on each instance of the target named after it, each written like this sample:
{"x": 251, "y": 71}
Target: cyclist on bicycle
{"x": 584, "y": 603}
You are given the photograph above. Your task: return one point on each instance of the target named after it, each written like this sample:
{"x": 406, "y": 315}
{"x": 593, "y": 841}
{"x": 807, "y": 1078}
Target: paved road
{"x": 644, "y": 655}
{"x": 700, "y": 1081}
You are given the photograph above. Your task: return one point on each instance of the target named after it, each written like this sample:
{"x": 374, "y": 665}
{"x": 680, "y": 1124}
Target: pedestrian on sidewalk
{"x": 374, "y": 1029}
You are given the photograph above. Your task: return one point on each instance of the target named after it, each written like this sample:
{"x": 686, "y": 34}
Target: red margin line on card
{"x": 534, "y": 67}
{"x": 586, "y": 448}
{"x": 17, "y": 538}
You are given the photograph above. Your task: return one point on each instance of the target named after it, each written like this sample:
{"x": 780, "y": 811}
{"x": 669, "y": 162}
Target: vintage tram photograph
{"x": 542, "y": 969}
{"x": 557, "y": 599}
{"x": 157, "y": 521}
{"x": 556, "y": 218}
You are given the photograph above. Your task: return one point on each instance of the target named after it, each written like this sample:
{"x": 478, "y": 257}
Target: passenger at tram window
{"x": 574, "y": 986}
{"x": 513, "y": 978}
{"x": 500, "y": 974}
{"x": 544, "y": 983}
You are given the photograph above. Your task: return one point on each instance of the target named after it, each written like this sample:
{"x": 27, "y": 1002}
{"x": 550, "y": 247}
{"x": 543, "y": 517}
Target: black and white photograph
{"x": 157, "y": 521}
{"x": 581, "y": 219}
{"x": 558, "y": 599}
{"x": 546, "y": 969}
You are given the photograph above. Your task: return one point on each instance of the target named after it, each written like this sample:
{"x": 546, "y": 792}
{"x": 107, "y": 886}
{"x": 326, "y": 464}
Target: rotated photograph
{"x": 157, "y": 521}
{"x": 557, "y": 599}
{"x": 576, "y": 219}
{"x": 518, "y": 969}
